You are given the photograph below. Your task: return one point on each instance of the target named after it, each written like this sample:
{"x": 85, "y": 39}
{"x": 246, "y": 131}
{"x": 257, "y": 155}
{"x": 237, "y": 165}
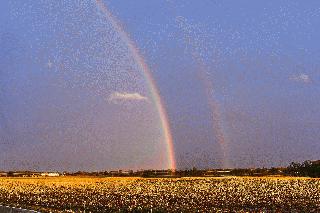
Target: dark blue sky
{"x": 259, "y": 60}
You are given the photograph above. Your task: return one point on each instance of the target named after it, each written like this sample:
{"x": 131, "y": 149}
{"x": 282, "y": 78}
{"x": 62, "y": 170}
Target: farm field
{"x": 88, "y": 194}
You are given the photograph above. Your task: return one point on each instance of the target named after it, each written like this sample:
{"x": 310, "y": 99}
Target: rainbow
{"x": 217, "y": 123}
{"x": 150, "y": 81}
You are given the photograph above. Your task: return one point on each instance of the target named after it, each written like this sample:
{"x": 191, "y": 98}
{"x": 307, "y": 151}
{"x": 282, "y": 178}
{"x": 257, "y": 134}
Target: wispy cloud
{"x": 125, "y": 96}
{"x": 302, "y": 78}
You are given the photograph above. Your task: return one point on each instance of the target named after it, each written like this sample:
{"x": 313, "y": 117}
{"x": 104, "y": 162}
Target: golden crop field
{"x": 87, "y": 194}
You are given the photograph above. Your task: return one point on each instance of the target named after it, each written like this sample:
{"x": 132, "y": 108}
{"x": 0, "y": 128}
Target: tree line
{"x": 305, "y": 169}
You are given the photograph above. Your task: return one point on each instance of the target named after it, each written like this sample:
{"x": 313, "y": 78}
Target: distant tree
{"x": 305, "y": 169}
{"x": 273, "y": 171}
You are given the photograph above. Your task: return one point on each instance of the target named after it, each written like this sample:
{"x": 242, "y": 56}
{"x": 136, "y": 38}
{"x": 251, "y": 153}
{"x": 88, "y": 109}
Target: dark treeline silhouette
{"x": 194, "y": 172}
{"x": 305, "y": 169}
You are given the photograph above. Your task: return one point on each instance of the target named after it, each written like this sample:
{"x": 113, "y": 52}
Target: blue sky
{"x": 261, "y": 58}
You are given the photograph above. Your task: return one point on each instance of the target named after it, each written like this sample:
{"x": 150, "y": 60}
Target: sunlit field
{"x": 79, "y": 194}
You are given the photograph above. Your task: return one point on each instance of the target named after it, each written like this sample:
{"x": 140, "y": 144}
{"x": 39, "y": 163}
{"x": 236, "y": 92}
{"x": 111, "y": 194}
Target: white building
{"x": 50, "y": 174}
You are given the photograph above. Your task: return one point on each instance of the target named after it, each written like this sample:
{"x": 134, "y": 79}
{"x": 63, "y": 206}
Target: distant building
{"x": 210, "y": 173}
{"x": 35, "y": 174}
{"x": 114, "y": 173}
{"x": 127, "y": 172}
{"x": 223, "y": 173}
{"x": 155, "y": 173}
{"x": 50, "y": 174}
{"x": 3, "y": 174}
{"x": 121, "y": 173}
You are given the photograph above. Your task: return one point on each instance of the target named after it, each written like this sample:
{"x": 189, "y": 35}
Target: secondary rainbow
{"x": 150, "y": 81}
{"x": 217, "y": 123}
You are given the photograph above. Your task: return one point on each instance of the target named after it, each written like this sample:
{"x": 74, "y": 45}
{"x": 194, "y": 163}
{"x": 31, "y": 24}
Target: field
{"x": 238, "y": 194}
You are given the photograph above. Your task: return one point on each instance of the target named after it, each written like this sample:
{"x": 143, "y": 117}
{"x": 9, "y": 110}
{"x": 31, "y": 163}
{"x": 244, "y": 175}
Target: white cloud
{"x": 125, "y": 96}
{"x": 302, "y": 78}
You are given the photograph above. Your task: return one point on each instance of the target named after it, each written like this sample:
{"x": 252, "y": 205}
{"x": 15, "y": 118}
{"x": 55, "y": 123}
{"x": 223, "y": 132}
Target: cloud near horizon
{"x": 125, "y": 96}
{"x": 302, "y": 78}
